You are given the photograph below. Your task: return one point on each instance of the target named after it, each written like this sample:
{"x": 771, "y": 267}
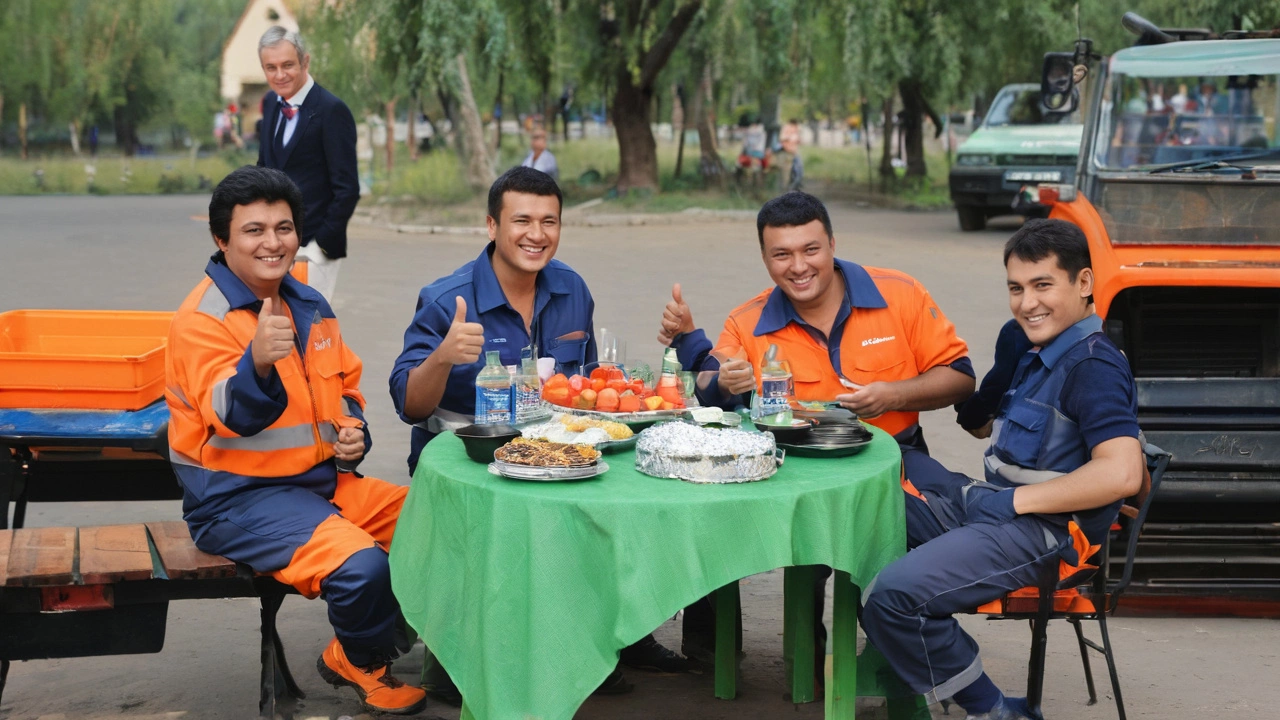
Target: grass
{"x": 433, "y": 188}
{"x": 115, "y": 175}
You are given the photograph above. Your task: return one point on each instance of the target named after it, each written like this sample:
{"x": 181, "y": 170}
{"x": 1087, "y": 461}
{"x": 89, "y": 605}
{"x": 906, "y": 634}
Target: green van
{"x": 1019, "y": 143}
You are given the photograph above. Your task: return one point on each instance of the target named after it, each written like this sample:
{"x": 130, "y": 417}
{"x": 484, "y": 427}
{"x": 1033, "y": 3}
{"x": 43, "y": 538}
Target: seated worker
{"x": 835, "y": 322}
{"x": 511, "y": 296}
{"x": 838, "y": 324}
{"x": 266, "y": 429}
{"x": 1064, "y": 454}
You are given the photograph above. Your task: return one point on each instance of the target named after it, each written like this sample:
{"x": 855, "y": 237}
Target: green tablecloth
{"x": 526, "y": 591}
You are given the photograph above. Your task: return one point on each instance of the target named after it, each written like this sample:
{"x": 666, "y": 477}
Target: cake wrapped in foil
{"x": 706, "y": 455}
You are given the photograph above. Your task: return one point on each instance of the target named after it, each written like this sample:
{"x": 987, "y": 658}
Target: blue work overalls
{"x": 954, "y": 566}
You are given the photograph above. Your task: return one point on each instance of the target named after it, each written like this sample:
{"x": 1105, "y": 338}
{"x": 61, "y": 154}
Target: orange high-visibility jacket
{"x": 229, "y": 428}
{"x": 895, "y": 331}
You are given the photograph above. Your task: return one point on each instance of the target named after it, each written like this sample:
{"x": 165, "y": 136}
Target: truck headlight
{"x": 973, "y": 160}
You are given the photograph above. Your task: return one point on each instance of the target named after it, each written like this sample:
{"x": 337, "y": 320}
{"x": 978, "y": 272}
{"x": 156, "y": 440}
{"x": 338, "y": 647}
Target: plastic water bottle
{"x": 526, "y": 392}
{"x": 493, "y": 392}
{"x": 776, "y": 387}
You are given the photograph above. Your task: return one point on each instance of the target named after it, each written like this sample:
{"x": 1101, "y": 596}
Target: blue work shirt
{"x": 561, "y": 328}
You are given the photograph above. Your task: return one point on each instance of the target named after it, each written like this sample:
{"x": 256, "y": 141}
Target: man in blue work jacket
{"x": 515, "y": 294}
{"x": 1064, "y": 454}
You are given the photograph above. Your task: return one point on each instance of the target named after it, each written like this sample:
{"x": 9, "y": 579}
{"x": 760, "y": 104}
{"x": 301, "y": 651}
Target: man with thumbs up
{"x": 266, "y": 429}
{"x": 515, "y": 294}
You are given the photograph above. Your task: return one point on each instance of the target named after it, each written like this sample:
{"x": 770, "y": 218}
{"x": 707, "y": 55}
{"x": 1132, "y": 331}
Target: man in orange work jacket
{"x": 870, "y": 338}
{"x": 267, "y": 428}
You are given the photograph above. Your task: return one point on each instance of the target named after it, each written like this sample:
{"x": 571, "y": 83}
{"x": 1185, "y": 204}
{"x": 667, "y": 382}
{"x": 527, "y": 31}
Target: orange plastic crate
{"x": 94, "y": 359}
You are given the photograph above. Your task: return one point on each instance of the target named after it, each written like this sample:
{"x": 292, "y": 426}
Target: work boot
{"x": 1006, "y": 709}
{"x": 615, "y": 684}
{"x": 379, "y": 690}
{"x": 649, "y": 654}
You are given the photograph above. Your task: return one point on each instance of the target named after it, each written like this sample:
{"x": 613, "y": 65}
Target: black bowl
{"x": 481, "y": 440}
{"x": 787, "y": 433}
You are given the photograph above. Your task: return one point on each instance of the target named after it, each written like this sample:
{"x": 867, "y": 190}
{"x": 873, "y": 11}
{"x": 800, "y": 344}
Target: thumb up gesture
{"x": 273, "y": 341}
{"x": 464, "y": 341}
{"x": 676, "y": 317}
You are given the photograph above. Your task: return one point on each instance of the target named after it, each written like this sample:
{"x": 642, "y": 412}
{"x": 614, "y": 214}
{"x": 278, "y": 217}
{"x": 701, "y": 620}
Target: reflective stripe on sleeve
{"x": 283, "y": 438}
{"x": 220, "y": 400}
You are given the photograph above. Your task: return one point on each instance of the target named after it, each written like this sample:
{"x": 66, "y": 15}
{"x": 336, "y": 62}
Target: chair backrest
{"x": 1157, "y": 461}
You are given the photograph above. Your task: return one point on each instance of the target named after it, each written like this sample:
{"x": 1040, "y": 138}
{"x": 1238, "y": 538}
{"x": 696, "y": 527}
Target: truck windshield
{"x": 1148, "y": 123}
{"x": 1021, "y": 106}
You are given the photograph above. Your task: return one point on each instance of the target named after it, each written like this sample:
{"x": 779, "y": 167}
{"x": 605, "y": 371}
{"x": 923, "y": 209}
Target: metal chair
{"x": 1080, "y": 599}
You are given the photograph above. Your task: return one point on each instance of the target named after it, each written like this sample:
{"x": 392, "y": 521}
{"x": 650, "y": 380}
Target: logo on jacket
{"x": 878, "y": 340}
{"x": 323, "y": 344}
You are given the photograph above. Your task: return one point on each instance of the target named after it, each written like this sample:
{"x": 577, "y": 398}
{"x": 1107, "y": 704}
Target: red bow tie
{"x": 288, "y": 110}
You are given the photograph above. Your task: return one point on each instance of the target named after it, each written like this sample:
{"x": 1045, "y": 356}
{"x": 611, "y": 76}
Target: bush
{"x": 171, "y": 183}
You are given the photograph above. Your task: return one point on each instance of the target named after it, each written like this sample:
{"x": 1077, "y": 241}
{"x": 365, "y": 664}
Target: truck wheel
{"x": 972, "y": 218}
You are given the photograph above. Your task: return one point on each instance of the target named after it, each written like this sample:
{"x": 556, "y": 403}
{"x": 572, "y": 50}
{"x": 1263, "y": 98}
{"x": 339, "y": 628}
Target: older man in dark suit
{"x": 311, "y": 135}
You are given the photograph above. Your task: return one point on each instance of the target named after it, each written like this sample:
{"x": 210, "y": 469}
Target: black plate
{"x": 824, "y": 451}
{"x": 787, "y": 433}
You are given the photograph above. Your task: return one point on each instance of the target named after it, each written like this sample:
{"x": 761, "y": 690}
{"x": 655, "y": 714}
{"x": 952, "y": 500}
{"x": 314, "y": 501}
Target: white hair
{"x": 276, "y": 35}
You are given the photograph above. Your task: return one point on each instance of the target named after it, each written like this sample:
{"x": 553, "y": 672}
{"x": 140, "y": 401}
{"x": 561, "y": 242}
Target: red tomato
{"x": 599, "y": 374}
{"x": 617, "y": 384}
{"x": 607, "y": 400}
{"x": 558, "y": 380}
{"x": 579, "y": 383}
{"x": 628, "y": 403}
{"x": 613, "y": 372}
{"x": 557, "y": 396}
{"x": 597, "y": 384}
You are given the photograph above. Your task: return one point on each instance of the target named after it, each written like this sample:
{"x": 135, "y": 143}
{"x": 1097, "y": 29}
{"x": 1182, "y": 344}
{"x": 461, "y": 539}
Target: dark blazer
{"x": 321, "y": 159}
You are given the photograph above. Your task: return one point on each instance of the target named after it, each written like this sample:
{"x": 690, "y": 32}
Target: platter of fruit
{"x": 608, "y": 392}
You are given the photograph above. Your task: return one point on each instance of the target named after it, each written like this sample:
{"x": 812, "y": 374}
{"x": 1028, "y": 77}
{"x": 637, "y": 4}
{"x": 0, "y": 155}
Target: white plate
{"x": 546, "y": 474}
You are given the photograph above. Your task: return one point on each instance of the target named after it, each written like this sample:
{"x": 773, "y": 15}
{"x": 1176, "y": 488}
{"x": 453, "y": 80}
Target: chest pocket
{"x": 1023, "y": 432}
{"x": 570, "y": 352}
{"x": 877, "y": 363}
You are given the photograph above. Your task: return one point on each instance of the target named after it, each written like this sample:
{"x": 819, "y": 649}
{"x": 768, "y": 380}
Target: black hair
{"x": 521, "y": 180}
{"x": 792, "y": 209}
{"x": 1037, "y": 239}
{"x": 245, "y": 186}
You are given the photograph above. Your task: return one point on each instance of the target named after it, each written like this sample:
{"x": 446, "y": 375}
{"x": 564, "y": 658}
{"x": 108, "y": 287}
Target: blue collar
{"x": 860, "y": 291}
{"x": 489, "y": 294}
{"x": 1058, "y": 347}
{"x": 303, "y": 302}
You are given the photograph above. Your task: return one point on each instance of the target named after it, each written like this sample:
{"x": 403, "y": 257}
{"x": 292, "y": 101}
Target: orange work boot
{"x": 379, "y": 690}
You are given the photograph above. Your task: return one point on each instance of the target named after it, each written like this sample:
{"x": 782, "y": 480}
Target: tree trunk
{"x": 678, "y": 122}
{"x": 709, "y": 165}
{"x": 913, "y": 108}
{"x": 450, "y": 114}
{"x": 411, "y": 137}
{"x": 126, "y": 134}
{"x": 497, "y": 104}
{"x": 22, "y": 128}
{"x": 391, "y": 134}
{"x": 637, "y": 150}
{"x": 886, "y": 156}
{"x": 74, "y": 127}
{"x": 479, "y": 168}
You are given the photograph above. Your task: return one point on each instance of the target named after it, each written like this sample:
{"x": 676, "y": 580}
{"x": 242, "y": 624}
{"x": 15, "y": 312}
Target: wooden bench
{"x": 77, "y": 592}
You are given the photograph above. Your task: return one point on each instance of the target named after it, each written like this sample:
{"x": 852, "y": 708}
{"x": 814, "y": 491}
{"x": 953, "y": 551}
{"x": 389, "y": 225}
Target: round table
{"x": 526, "y": 591}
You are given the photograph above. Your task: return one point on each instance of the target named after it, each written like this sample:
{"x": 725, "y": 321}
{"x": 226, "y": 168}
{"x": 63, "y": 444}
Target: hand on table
{"x": 870, "y": 400}
{"x": 464, "y": 342}
{"x": 676, "y": 318}
{"x": 736, "y": 377}
{"x": 350, "y": 445}
{"x": 273, "y": 340}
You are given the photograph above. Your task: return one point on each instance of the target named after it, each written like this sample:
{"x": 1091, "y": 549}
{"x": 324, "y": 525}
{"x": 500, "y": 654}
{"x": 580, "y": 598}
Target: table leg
{"x": 728, "y": 603}
{"x": 842, "y": 691}
{"x": 797, "y": 631}
{"x": 9, "y": 469}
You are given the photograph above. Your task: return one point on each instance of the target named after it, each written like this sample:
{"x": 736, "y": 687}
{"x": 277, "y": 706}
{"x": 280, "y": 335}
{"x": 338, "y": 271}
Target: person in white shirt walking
{"x": 539, "y": 157}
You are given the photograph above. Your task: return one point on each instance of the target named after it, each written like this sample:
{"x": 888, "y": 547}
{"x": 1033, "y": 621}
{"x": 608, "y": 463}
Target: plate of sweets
{"x": 607, "y": 393}
{"x": 541, "y": 460}
{"x": 606, "y": 436}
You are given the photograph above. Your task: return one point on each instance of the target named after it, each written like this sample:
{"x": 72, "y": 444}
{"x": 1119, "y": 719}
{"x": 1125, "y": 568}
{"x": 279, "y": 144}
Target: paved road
{"x": 147, "y": 252}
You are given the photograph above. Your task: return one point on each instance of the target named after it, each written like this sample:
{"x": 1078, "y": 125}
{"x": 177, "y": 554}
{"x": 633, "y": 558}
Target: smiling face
{"x": 285, "y": 72}
{"x": 801, "y": 260}
{"x": 1044, "y": 300}
{"x": 527, "y": 234}
{"x": 261, "y": 246}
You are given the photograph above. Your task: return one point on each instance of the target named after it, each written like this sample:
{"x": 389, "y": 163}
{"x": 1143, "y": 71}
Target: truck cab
{"x": 1019, "y": 142}
{"x": 1178, "y": 191}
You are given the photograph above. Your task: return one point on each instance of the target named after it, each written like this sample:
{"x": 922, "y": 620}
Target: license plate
{"x": 1033, "y": 176}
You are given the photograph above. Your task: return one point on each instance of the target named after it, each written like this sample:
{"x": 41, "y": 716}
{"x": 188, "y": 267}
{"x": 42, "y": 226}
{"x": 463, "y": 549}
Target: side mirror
{"x": 1057, "y": 83}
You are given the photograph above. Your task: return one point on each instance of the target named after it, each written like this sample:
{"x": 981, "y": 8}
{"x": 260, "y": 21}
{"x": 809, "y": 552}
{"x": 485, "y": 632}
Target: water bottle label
{"x": 529, "y": 405}
{"x": 775, "y": 394}
{"x": 493, "y": 406}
